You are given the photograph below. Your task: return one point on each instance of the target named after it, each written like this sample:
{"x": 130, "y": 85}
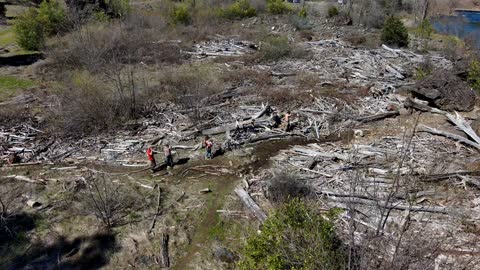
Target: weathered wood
{"x": 452, "y": 136}
{"x": 410, "y": 103}
{"x": 396, "y": 206}
{"x": 446, "y": 176}
{"x": 22, "y": 178}
{"x": 377, "y": 117}
{"x": 165, "y": 256}
{"x": 251, "y": 204}
{"x": 157, "y": 212}
{"x": 233, "y": 126}
{"x": 460, "y": 122}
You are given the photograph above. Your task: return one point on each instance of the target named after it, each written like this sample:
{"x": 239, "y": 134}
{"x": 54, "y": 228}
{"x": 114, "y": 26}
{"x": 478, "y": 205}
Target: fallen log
{"x": 377, "y": 117}
{"x": 423, "y": 128}
{"x": 383, "y": 204}
{"x": 22, "y": 178}
{"x": 157, "y": 212}
{"x": 250, "y": 204}
{"x": 446, "y": 176}
{"x": 233, "y": 126}
{"x": 460, "y": 122}
{"x": 165, "y": 257}
{"x": 414, "y": 104}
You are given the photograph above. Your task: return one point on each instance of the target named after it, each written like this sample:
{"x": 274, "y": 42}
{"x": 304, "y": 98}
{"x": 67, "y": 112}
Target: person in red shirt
{"x": 150, "y": 155}
{"x": 208, "y": 147}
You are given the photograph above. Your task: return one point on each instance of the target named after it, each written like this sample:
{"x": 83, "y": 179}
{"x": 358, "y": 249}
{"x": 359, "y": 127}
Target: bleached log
{"x": 452, "y": 136}
{"x": 396, "y": 206}
{"x": 233, "y": 126}
{"x": 416, "y": 104}
{"x": 445, "y": 176}
{"x": 250, "y": 204}
{"x": 21, "y": 178}
{"x": 460, "y": 122}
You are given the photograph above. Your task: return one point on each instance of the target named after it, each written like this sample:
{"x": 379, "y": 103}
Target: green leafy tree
{"x": 425, "y": 29}
{"x": 32, "y": 27}
{"x": 29, "y": 31}
{"x": 394, "y": 32}
{"x": 294, "y": 237}
{"x": 52, "y": 16}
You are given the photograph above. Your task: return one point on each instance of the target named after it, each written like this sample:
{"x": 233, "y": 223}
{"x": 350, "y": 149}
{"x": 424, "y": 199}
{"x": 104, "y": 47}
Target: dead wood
{"x": 446, "y": 176}
{"x": 397, "y": 206}
{"x": 377, "y": 117}
{"x": 410, "y": 103}
{"x": 165, "y": 256}
{"x": 23, "y": 178}
{"x": 157, "y": 212}
{"x": 452, "y": 136}
{"x": 250, "y": 204}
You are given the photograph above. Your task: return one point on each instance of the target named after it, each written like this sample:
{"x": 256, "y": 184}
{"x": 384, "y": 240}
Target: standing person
{"x": 151, "y": 157}
{"x": 286, "y": 119}
{"x": 167, "y": 150}
{"x": 208, "y": 147}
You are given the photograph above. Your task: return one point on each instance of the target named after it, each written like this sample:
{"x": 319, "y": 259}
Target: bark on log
{"x": 250, "y": 204}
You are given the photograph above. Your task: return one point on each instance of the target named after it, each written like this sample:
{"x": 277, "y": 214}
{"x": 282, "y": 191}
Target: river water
{"x": 465, "y": 25}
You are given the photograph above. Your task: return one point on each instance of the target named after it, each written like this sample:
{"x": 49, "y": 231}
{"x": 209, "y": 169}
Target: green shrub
{"x": 474, "y": 75}
{"x": 239, "y": 10}
{"x": 180, "y": 14}
{"x": 119, "y": 8}
{"x": 278, "y": 7}
{"x": 332, "y": 11}
{"x": 425, "y": 29}
{"x": 32, "y": 27}
{"x": 29, "y": 31}
{"x": 394, "y": 32}
{"x": 275, "y": 47}
{"x": 303, "y": 13}
{"x": 52, "y": 16}
{"x": 294, "y": 237}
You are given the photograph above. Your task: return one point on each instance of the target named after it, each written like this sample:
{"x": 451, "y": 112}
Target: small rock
{"x": 225, "y": 255}
{"x": 358, "y": 133}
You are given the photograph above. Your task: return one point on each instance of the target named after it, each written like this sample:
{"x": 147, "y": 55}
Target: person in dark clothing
{"x": 167, "y": 150}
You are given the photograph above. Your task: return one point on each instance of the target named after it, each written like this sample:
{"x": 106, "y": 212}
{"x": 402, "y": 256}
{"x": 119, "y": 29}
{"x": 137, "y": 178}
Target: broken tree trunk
{"x": 414, "y": 104}
{"x": 250, "y": 204}
{"x": 448, "y": 135}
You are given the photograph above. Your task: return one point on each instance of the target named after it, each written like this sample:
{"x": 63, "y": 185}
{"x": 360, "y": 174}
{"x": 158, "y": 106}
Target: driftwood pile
{"x": 222, "y": 48}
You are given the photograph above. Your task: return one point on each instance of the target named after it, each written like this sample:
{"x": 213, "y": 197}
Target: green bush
{"x": 32, "y": 27}
{"x": 180, "y": 14}
{"x": 294, "y": 237}
{"x": 278, "y": 7}
{"x": 303, "y": 13}
{"x": 239, "y": 10}
{"x": 394, "y": 32}
{"x": 474, "y": 75}
{"x": 29, "y": 31}
{"x": 425, "y": 29}
{"x": 275, "y": 47}
{"x": 52, "y": 16}
{"x": 119, "y": 8}
{"x": 332, "y": 11}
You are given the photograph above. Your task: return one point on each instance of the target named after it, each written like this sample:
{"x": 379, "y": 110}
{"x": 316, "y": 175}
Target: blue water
{"x": 465, "y": 25}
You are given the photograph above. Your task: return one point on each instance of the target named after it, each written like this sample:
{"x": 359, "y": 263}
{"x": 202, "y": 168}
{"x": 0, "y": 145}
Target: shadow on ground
{"x": 86, "y": 252}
